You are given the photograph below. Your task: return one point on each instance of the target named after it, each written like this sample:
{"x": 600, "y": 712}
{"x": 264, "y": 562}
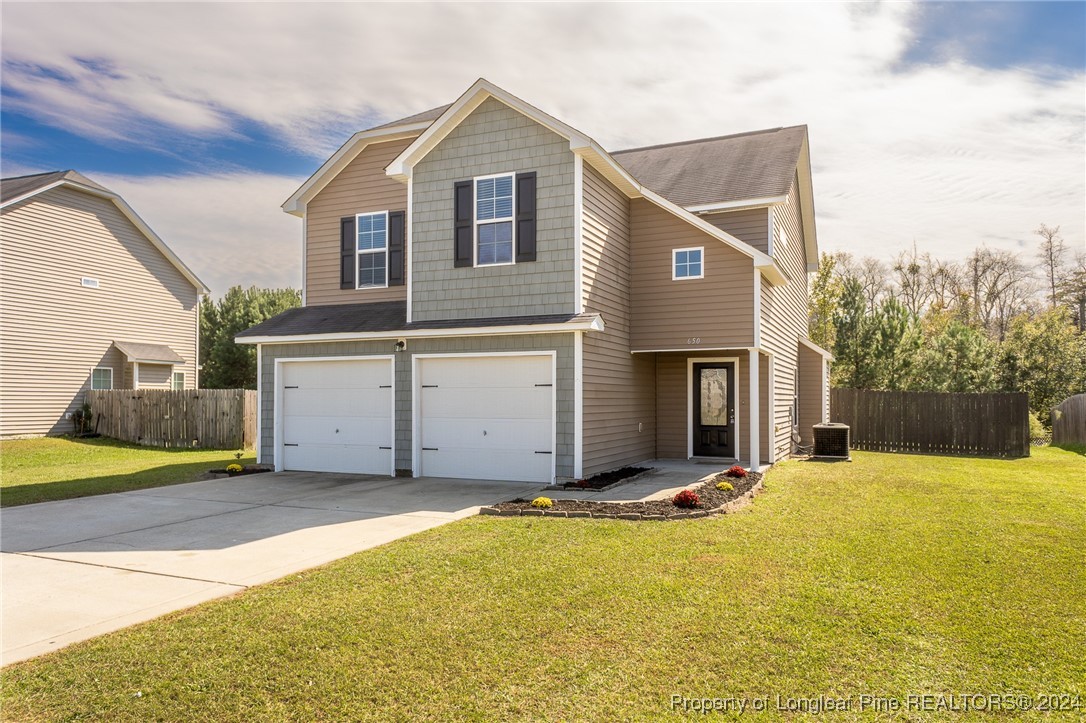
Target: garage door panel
{"x": 337, "y": 402}
{"x": 336, "y": 458}
{"x": 337, "y": 430}
{"x": 510, "y": 398}
{"x": 335, "y": 416}
{"x": 507, "y": 434}
{"x": 476, "y": 372}
{"x": 475, "y": 463}
{"x": 503, "y": 402}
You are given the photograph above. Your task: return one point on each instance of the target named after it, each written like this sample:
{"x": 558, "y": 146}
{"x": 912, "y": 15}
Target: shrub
{"x": 737, "y": 472}
{"x": 724, "y": 486}
{"x": 687, "y": 499}
{"x": 542, "y": 503}
{"x": 233, "y": 468}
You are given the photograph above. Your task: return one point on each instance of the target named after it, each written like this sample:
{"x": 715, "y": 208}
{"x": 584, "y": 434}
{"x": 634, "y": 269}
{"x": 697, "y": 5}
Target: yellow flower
{"x": 233, "y": 468}
{"x": 543, "y": 503}
{"x": 724, "y": 486}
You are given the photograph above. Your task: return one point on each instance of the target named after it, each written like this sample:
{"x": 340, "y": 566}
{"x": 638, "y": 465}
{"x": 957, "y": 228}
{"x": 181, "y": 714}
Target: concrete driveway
{"x": 79, "y": 568}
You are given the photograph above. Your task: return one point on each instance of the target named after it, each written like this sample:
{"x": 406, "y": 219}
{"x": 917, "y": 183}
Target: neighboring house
{"x": 90, "y": 298}
{"x": 490, "y": 294}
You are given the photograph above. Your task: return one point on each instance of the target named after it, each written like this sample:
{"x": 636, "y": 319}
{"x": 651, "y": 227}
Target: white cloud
{"x": 949, "y": 156}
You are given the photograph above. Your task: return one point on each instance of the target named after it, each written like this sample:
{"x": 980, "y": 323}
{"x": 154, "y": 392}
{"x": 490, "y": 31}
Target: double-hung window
{"x": 371, "y": 249}
{"x": 177, "y": 382}
{"x": 687, "y": 264}
{"x": 494, "y": 220}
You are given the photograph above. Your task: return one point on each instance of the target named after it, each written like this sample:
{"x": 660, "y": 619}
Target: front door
{"x": 714, "y": 409}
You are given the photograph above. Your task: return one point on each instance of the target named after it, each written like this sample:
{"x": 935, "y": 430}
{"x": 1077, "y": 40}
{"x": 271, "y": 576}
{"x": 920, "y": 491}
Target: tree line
{"x": 993, "y": 322}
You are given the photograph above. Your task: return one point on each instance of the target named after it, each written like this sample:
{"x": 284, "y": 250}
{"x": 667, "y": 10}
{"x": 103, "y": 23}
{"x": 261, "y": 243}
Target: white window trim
{"x": 172, "y": 381}
{"x": 102, "y": 369}
{"x": 476, "y": 223}
{"x": 358, "y": 253}
{"x": 675, "y": 255}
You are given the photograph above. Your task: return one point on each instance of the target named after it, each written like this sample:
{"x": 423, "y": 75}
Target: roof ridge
{"x": 707, "y": 140}
{"x": 33, "y": 175}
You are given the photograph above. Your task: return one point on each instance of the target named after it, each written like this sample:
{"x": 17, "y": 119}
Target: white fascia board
{"x": 295, "y": 205}
{"x": 473, "y": 97}
{"x": 816, "y": 348}
{"x": 738, "y": 205}
{"x": 594, "y": 323}
{"x": 131, "y": 215}
{"x": 806, "y": 203}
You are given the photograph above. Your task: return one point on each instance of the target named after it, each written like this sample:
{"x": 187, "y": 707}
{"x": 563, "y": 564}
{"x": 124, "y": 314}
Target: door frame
{"x": 416, "y": 400}
{"x": 277, "y": 424}
{"x": 690, "y": 362}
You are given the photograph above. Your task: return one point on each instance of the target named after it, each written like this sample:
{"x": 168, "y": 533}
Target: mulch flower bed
{"x": 247, "y": 469}
{"x": 711, "y": 501}
{"x": 603, "y": 480}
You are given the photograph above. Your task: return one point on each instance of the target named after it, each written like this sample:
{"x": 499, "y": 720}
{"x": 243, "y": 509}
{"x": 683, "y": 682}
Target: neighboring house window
{"x": 102, "y": 378}
{"x": 494, "y": 220}
{"x": 178, "y": 381}
{"x": 687, "y": 264}
{"x": 372, "y": 249}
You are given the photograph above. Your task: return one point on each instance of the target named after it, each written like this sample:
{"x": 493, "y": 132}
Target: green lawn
{"x": 889, "y": 576}
{"x": 58, "y": 468}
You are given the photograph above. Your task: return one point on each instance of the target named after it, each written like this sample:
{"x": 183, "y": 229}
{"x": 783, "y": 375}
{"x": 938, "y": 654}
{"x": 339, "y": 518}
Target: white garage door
{"x": 486, "y": 417}
{"x": 336, "y": 416}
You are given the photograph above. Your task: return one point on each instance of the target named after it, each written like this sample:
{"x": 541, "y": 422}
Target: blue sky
{"x": 957, "y": 123}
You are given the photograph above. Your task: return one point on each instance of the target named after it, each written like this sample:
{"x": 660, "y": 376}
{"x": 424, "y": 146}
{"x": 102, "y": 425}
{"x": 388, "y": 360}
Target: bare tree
{"x": 1051, "y": 256}
{"x": 944, "y": 281}
{"x": 912, "y": 289}
{"x": 870, "y": 273}
{"x": 1000, "y": 286}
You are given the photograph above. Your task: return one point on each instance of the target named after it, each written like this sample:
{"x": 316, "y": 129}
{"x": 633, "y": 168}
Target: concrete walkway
{"x": 79, "y": 568}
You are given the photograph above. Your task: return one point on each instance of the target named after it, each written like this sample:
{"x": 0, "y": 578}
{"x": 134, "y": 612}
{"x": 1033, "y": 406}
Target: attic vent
{"x": 88, "y": 282}
{"x": 831, "y": 441}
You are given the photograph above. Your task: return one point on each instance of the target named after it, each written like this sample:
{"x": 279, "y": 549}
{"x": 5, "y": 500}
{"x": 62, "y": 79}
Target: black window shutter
{"x": 463, "y": 236}
{"x": 525, "y": 217}
{"x": 347, "y": 249}
{"x": 396, "y": 248}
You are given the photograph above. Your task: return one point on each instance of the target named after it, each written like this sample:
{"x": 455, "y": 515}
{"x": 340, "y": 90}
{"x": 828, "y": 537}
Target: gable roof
{"x": 426, "y": 115}
{"x": 17, "y": 189}
{"x": 725, "y": 169}
{"x": 136, "y": 351}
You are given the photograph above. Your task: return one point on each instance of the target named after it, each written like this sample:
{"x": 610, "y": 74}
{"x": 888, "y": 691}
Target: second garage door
{"x": 489, "y": 417}
{"x": 336, "y": 416}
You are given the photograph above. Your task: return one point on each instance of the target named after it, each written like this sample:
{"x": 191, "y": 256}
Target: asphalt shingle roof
{"x": 758, "y": 164}
{"x": 149, "y": 352}
{"x": 22, "y": 185}
{"x": 382, "y": 316}
{"x": 426, "y": 115}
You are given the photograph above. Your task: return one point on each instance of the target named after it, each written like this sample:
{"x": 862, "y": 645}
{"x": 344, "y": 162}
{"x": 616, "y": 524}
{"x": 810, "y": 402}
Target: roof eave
{"x": 295, "y": 205}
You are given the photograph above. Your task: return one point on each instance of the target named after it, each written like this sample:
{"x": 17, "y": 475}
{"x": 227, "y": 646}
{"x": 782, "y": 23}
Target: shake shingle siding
{"x": 493, "y": 139}
{"x": 562, "y": 344}
{"x": 619, "y": 399}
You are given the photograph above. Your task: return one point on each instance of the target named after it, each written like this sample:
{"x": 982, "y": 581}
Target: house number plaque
{"x": 694, "y": 340}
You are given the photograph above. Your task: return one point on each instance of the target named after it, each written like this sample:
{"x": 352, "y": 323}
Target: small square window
{"x": 687, "y": 264}
{"x": 102, "y": 378}
{"x": 178, "y": 381}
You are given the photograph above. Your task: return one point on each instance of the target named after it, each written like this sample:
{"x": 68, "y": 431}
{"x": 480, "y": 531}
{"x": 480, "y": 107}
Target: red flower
{"x": 687, "y": 499}
{"x": 736, "y": 471}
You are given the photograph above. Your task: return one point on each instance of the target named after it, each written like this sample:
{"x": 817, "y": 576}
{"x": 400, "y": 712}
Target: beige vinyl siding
{"x": 674, "y": 393}
{"x": 619, "y": 400}
{"x": 749, "y": 225}
{"x": 667, "y": 314}
{"x": 156, "y": 376}
{"x": 812, "y": 392}
{"x": 784, "y": 316}
{"x": 493, "y": 139}
{"x": 55, "y": 331}
{"x": 361, "y": 187}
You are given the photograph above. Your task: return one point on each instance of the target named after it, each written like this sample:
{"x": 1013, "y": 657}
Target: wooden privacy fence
{"x": 1069, "y": 421}
{"x": 207, "y": 418}
{"x": 993, "y": 425}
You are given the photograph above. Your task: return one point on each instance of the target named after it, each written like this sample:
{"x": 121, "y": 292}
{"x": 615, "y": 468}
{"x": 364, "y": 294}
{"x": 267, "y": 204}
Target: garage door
{"x": 486, "y": 417}
{"x": 336, "y": 416}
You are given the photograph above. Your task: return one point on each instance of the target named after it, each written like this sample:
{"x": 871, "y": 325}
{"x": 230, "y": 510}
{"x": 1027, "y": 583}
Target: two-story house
{"x": 90, "y": 298}
{"x": 490, "y": 294}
